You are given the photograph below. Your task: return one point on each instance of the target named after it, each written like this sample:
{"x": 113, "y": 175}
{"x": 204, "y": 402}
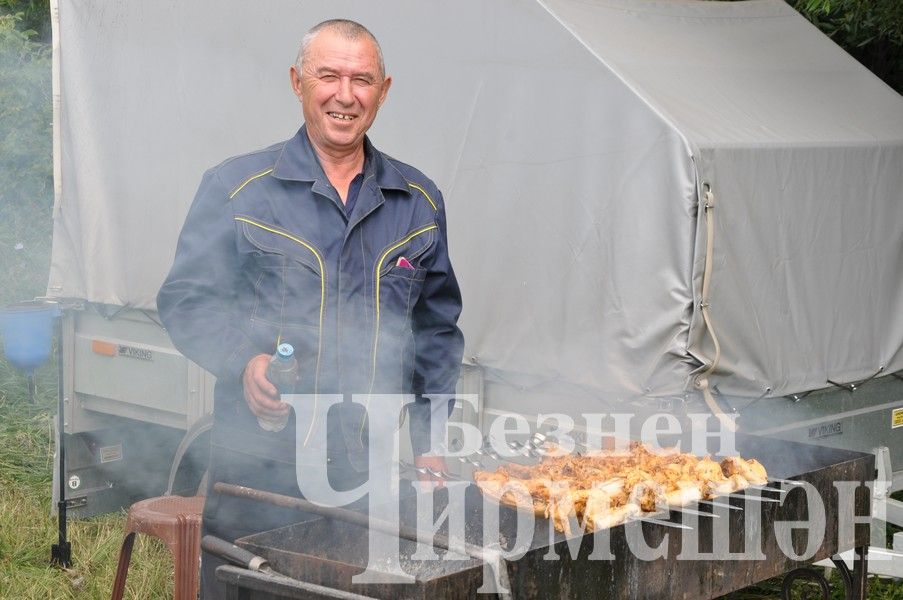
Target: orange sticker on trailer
{"x": 104, "y": 348}
{"x": 896, "y": 418}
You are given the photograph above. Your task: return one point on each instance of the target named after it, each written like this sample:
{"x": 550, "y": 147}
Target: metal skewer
{"x": 531, "y": 447}
{"x": 692, "y": 511}
{"x": 722, "y": 504}
{"x": 440, "y": 474}
{"x": 470, "y": 461}
{"x": 523, "y": 449}
{"x": 488, "y": 555}
{"x": 753, "y": 498}
{"x": 488, "y": 452}
{"x": 766, "y": 488}
{"x": 785, "y": 481}
{"x": 432, "y": 472}
{"x": 659, "y": 522}
{"x": 536, "y": 439}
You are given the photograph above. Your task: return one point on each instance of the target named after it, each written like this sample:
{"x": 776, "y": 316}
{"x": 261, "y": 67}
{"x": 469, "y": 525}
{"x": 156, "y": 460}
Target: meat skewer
{"x": 605, "y": 488}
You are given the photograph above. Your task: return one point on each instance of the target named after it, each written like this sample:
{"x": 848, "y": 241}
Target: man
{"x": 323, "y": 242}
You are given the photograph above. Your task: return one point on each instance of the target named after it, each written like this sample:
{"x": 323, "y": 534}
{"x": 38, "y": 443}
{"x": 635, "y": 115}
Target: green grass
{"x": 879, "y": 589}
{"x": 27, "y": 530}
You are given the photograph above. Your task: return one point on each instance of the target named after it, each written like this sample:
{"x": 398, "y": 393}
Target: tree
{"x": 33, "y": 17}
{"x": 870, "y": 30}
{"x": 26, "y": 165}
{"x": 25, "y": 117}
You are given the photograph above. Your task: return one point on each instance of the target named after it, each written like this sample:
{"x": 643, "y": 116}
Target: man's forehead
{"x": 330, "y": 51}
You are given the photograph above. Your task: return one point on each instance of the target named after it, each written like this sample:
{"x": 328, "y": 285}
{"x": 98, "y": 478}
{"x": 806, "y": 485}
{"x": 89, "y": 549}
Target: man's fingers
{"x": 264, "y": 399}
{"x": 263, "y": 384}
{"x": 266, "y": 404}
{"x": 260, "y": 394}
{"x": 264, "y": 392}
{"x": 256, "y": 375}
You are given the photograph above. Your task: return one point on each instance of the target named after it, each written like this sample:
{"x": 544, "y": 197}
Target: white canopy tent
{"x": 572, "y": 140}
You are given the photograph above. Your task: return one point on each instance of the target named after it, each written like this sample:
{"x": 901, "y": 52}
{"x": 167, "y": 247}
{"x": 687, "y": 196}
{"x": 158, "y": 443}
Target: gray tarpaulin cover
{"x": 572, "y": 140}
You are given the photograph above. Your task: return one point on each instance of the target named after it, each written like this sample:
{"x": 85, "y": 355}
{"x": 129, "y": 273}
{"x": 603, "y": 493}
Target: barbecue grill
{"x": 330, "y": 551}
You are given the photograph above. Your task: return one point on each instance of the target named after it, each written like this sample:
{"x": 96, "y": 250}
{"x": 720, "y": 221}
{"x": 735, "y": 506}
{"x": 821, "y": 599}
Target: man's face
{"x": 340, "y": 89}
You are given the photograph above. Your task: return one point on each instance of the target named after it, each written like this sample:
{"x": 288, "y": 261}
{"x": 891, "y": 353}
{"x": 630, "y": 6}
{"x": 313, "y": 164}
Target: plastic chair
{"x": 177, "y": 521}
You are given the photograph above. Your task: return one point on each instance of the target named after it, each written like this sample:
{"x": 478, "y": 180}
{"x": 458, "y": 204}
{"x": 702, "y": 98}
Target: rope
{"x": 702, "y": 380}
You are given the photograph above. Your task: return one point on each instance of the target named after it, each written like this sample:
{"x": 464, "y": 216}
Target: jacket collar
{"x": 298, "y": 162}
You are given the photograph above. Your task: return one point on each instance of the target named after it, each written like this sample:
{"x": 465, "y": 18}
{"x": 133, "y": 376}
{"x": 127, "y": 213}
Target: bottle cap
{"x": 285, "y": 351}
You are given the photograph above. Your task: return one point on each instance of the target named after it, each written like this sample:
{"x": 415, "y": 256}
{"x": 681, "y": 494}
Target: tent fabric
{"x": 743, "y": 74}
{"x": 571, "y": 139}
{"x": 802, "y": 147}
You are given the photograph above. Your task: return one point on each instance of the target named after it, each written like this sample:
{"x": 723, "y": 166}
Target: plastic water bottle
{"x": 283, "y": 372}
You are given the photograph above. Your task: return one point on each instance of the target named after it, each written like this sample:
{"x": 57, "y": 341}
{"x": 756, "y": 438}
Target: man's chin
{"x": 343, "y": 143}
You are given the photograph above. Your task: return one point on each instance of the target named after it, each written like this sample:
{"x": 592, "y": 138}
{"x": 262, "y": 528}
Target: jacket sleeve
{"x": 198, "y": 301}
{"x": 438, "y": 342}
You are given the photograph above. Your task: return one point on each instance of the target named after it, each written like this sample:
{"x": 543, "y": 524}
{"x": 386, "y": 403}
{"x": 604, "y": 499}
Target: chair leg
{"x": 186, "y": 558}
{"x": 125, "y": 556}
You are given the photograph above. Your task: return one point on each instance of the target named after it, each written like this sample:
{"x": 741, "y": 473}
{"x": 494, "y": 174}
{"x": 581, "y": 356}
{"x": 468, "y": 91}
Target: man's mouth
{"x": 341, "y": 116}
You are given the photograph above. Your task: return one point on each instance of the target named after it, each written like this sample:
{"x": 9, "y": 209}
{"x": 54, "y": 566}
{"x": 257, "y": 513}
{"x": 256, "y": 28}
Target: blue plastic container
{"x": 27, "y": 329}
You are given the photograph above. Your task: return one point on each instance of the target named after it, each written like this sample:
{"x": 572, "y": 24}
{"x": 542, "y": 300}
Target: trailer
{"x": 659, "y": 207}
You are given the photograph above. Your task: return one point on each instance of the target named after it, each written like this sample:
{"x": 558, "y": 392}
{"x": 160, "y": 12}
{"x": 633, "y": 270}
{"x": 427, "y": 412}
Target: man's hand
{"x": 436, "y": 463}
{"x": 261, "y": 395}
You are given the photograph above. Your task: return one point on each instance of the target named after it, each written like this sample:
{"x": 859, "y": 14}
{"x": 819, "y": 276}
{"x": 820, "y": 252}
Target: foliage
{"x": 878, "y": 589}
{"x": 25, "y": 118}
{"x": 859, "y": 21}
{"x": 34, "y": 16}
{"x": 26, "y": 170}
{"x": 870, "y": 30}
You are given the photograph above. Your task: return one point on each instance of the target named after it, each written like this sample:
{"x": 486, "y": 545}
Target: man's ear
{"x": 387, "y": 83}
{"x": 295, "y": 79}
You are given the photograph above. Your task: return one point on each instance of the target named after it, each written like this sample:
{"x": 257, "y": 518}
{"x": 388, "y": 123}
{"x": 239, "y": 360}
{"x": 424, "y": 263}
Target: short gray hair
{"x": 348, "y": 29}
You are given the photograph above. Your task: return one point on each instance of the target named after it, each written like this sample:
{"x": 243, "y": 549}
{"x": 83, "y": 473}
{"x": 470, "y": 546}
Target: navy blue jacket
{"x": 267, "y": 254}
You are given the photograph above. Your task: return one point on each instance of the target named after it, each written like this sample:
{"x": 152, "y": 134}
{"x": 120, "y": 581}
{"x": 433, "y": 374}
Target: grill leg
{"x": 807, "y": 574}
{"x": 855, "y": 582}
{"x": 860, "y": 573}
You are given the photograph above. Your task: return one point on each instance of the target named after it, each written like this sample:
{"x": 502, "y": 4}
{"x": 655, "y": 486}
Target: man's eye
{"x": 328, "y": 78}
{"x": 362, "y": 81}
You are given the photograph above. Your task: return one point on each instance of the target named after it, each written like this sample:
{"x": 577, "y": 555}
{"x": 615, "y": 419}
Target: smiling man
{"x": 328, "y": 244}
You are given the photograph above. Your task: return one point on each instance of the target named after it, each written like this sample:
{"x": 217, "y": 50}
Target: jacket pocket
{"x": 399, "y": 286}
{"x": 400, "y": 289}
{"x": 286, "y": 273}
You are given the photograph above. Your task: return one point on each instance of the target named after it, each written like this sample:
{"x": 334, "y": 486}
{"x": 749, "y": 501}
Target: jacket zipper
{"x": 377, "y": 276}
{"x": 320, "y": 262}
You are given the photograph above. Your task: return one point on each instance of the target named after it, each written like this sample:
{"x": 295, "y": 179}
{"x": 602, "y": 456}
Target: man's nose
{"x": 344, "y": 94}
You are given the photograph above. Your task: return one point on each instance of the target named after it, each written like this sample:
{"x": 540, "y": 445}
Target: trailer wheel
{"x": 198, "y": 453}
